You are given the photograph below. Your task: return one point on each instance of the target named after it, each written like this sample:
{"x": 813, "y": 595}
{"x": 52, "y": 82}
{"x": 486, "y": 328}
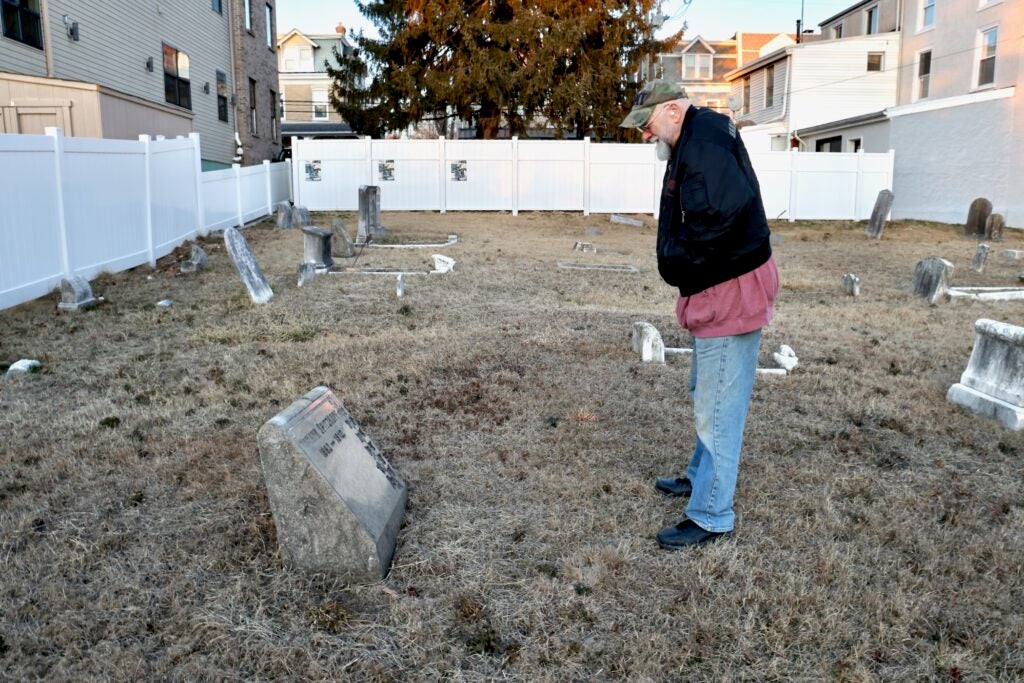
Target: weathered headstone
{"x": 245, "y": 262}
{"x": 443, "y": 264}
{"x": 648, "y": 343}
{"x": 400, "y": 287}
{"x": 994, "y": 226}
{"x": 1014, "y": 254}
{"x": 584, "y": 247}
{"x": 626, "y": 220}
{"x": 284, "y": 215}
{"x": 851, "y": 284}
{"x": 337, "y": 502}
{"x": 76, "y": 294}
{"x": 196, "y": 261}
{"x": 785, "y": 358}
{"x": 883, "y": 205}
{"x": 993, "y": 383}
{"x": 979, "y": 212}
{"x": 300, "y": 217}
{"x": 317, "y": 247}
{"x": 24, "y": 366}
{"x": 307, "y": 272}
{"x": 342, "y": 242}
{"x": 980, "y": 257}
{"x": 931, "y": 279}
{"x": 369, "y": 213}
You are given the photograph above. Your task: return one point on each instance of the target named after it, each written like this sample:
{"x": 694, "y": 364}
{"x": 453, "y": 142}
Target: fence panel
{"x": 624, "y": 178}
{"x": 551, "y": 175}
{"x": 329, "y": 173}
{"x": 105, "y": 205}
{"x": 30, "y": 237}
{"x": 173, "y": 192}
{"x": 280, "y": 182}
{"x": 774, "y": 173}
{"x": 406, "y": 171}
{"x": 478, "y": 175}
{"x": 254, "y": 192}
{"x": 220, "y": 203}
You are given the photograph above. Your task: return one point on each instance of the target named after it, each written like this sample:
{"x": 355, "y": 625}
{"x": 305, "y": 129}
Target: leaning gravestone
{"x": 248, "y": 269}
{"x": 980, "y": 257}
{"x": 993, "y": 383}
{"x": 851, "y": 284}
{"x": 76, "y": 294}
{"x": 883, "y": 205}
{"x": 342, "y": 242}
{"x": 284, "y": 215}
{"x": 369, "y": 213}
{"x": 994, "y": 227}
{"x": 931, "y": 279}
{"x": 979, "y": 212}
{"x": 196, "y": 261}
{"x": 300, "y": 217}
{"x": 317, "y": 247}
{"x": 337, "y": 502}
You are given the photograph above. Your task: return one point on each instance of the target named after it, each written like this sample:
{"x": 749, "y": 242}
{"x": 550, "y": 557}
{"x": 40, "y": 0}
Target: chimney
{"x": 799, "y": 31}
{"x": 340, "y": 29}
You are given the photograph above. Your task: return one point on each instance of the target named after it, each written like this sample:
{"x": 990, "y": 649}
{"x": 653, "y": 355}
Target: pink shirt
{"x": 737, "y": 306}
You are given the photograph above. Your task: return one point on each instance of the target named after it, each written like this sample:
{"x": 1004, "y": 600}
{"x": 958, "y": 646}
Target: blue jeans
{"x": 721, "y": 382}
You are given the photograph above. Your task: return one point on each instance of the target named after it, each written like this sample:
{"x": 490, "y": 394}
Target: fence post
{"x": 238, "y": 193}
{"x": 441, "y": 177}
{"x": 200, "y": 218}
{"x": 296, "y": 163}
{"x": 368, "y": 146}
{"x": 144, "y": 139}
{"x": 793, "y": 175}
{"x": 58, "y": 165}
{"x": 655, "y": 183}
{"x": 270, "y": 193}
{"x": 515, "y": 175}
{"x": 586, "y": 176}
{"x": 856, "y": 184}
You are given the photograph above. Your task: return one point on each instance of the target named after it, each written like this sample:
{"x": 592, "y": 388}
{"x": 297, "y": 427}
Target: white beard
{"x": 663, "y": 150}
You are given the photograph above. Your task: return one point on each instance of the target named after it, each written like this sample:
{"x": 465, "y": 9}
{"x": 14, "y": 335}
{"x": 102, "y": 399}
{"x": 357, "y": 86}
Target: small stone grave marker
{"x": 369, "y": 213}
{"x": 980, "y": 257}
{"x": 977, "y": 215}
{"x": 994, "y": 226}
{"x": 648, "y": 343}
{"x": 883, "y": 205}
{"x": 342, "y": 242}
{"x": 196, "y": 261}
{"x": 584, "y": 247}
{"x": 337, "y": 502}
{"x": 931, "y": 279}
{"x": 443, "y": 264}
{"x": 993, "y": 383}
{"x": 785, "y": 358}
{"x": 300, "y": 217}
{"x": 24, "y": 366}
{"x": 247, "y": 267}
{"x": 317, "y": 247}
{"x": 76, "y": 294}
{"x": 851, "y": 284}
{"x": 400, "y": 287}
{"x": 284, "y": 215}
{"x": 626, "y": 220}
{"x": 307, "y": 273}
{"x": 1014, "y": 254}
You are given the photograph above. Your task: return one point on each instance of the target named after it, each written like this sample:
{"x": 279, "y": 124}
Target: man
{"x": 713, "y": 245}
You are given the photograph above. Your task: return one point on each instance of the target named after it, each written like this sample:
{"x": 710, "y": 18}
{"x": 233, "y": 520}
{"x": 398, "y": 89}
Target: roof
{"x": 846, "y": 11}
{"x": 755, "y": 41}
{"x": 873, "y": 117}
{"x": 296, "y": 32}
{"x": 769, "y": 58}
{"x": 321, "y": 129}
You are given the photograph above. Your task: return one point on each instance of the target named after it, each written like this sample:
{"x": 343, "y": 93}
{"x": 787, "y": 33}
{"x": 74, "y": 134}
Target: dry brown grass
{"x": 879, "y": 532}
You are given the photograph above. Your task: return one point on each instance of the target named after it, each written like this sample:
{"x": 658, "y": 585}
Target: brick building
{"x": 257, "y": 95}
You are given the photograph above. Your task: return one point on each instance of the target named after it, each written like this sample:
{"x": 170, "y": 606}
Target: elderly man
{"x": 713, "y": 245}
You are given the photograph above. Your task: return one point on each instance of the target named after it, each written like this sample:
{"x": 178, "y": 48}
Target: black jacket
{"x": 711, "y": 226}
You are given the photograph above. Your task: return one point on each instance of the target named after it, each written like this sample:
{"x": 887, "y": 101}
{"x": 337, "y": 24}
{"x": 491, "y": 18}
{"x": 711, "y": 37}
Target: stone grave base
{"x": 614, "y": 267}
{"x": 452, "y": 239}
{"x": 1008, "y": 415}
{"x": 985, "y": 293}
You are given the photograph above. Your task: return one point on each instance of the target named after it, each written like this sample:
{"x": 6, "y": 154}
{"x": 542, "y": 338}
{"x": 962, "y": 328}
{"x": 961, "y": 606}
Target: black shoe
{"x": 687, "y": 534}
{"x": 674, "y": 486}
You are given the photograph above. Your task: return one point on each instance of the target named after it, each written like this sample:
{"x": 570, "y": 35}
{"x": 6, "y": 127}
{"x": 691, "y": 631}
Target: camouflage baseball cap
{"x": 652, "y": 94}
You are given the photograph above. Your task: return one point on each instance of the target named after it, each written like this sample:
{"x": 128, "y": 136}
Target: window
{"x": 177, "y": 86}
{"x": 248, "y": 15}
{"x": 270, "y": 26}
{"x": 319, "y": 105}
{"x": 216, "y": 6}
{"x": 875, "y": 61}
{"x": 273, "y": 115}
{"x": 697, "y": 66}
{"x": 853, "y": 145}
{"x": 927, "y": 13}
{"x": 222, "y": 96}
{"x": 837, "y": 31}
{"x": 746, "y": 95}
{"x": 252, "y": 106}
{"x": 924, "y": 71}
{"x": 769, "y": 86}
{"x": 987, "y": 60}
{"x": 829, "y": 144}
{"x": 21, "y": 22}
{"x": 872, "y": 20}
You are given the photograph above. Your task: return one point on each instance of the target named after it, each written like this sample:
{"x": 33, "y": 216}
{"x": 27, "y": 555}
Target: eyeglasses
{"x": 646, "y": 128}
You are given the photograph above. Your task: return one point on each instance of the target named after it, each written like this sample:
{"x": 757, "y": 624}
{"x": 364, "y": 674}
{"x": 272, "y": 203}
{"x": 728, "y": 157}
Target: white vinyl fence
{"x": 82, "y": 206}
{"x": 537, "y": 175}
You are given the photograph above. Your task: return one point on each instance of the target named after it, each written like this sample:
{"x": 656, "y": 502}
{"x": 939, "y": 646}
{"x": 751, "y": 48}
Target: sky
{"x": 711, "y": 19}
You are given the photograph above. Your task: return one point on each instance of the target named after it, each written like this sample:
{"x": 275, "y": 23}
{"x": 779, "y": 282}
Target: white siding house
{"x": 813, "y": 83}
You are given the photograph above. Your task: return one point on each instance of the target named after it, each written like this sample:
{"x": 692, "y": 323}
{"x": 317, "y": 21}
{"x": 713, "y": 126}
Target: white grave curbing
{"x": 993, "y": 383}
